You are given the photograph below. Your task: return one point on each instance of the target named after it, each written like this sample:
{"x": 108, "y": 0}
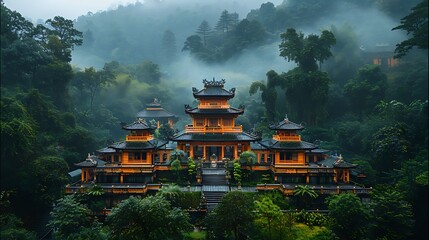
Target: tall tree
{"x": 226, "y": 21}
{"x": 50, "y": 176}
{"x": 204, "y": 30}
{"x": 267, "y": 214}
{"x": 392, "y": 216}
{"x": 366, "y": 89}
{"x": 306, "y": 86}
{"x": 64, "y": 37}
{"x": 169, "y": 48}
{"x": 416, "y": 25}
{"x": 350, "y": 216}
{"x": 268, "y": 93}
{"x": 306, "y": 51}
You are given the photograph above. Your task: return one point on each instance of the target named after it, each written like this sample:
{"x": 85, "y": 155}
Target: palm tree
{"x": 171, "y": 193}
{"x": 305, "y": 192}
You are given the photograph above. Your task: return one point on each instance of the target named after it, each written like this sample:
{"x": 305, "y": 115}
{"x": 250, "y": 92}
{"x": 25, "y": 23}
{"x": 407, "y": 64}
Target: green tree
{"x": 229, "y": 219}
{"x": 249, "y": 158}
{"x": 68, "y": 216}
{"x": 390, "y": 147}
{"x": 64, "y": 37}
{"x": 92, "y": 81}
{"x": 165, "y": 131}
{"x": 366, "y": 89}
{"x": 149, "y": 218}
{"x": 224, "y": 23}
{"x": 307, "y": 94}
{"x": 350, "y": 216}
{"x": 392, "y": 216}
{"x": 237, "y": 172}
{"x": 267, "y": 214}
{"x": 176, "y": 167}
{"x": 193, "y": 44}
{"x": 306, "y": 51}
{"x": 416, "y": 24}
{"x": 18, "y": 138}
{"x": 171, "y": 193}
{"x": 191, "y": 169}
{"x": 148, "y": 72}
{"x": 268, "y": 93}
{"x": 50, "y": 176}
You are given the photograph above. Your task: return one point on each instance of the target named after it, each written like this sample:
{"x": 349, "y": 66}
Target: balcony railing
{"x": 296, "y": 138}
{"x": 115, "y": 188}
{"x": 208, "y": 129}
{"x": 322, "y": 190}
{"x": 132, "y": 138}
{"x": 213, "y": 106}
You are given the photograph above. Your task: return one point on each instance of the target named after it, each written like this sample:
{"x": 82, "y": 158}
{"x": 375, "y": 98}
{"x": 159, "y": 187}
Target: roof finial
{"x": 286, "y": 117}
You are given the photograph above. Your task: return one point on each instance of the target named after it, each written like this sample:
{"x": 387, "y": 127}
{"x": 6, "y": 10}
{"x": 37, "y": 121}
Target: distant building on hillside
{"x": 154, "y": 111}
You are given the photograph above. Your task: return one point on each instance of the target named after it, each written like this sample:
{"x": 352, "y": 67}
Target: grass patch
{"x": 195, "y": 235}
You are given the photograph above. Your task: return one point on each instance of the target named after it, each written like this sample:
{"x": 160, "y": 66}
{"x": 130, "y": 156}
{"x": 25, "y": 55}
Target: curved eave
{"x": 300, "y": 145}
{"x": 228, "y": 111}
{"x": 147, "y": 145}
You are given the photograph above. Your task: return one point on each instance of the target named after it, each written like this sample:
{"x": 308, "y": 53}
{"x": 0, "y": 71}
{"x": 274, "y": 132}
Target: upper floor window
{"x": 213, "y": 122}
{"x": 288, "y": 156}
{"x": 199, "y": 122}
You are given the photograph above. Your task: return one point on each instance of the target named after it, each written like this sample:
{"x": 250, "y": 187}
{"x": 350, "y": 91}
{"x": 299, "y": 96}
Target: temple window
{"x": 199, "y": 122}
{"x": 213, "y": 122}
{"x": 288, "y": 156}
{"x": 227, "y": 122}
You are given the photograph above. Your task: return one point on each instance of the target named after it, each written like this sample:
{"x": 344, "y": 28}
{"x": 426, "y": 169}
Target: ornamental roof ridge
{"x": 213, "y": 83}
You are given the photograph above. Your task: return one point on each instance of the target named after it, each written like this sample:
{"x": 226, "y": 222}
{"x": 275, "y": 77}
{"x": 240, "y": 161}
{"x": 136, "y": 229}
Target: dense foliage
{"x": 53, "y": 114}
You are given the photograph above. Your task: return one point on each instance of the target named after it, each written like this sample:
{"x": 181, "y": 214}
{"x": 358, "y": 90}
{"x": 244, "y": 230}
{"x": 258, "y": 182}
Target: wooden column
{"x": 222, "y": 153}
{"x": 121, "y": 178}
{"x": 204, "y": 152}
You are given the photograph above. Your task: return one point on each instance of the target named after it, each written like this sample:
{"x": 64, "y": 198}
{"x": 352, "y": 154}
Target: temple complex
{"x": 135, "y": 165}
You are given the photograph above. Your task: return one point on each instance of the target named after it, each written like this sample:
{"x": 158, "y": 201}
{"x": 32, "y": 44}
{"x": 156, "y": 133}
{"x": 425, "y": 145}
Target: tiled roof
{"x": 336, "y": 162}
{"x": 91, "y": 161}
{"x": 317, "y": 150}
{"x": 152, "y": 144}
{"x": 296, "y": 145}
{"x": 214, "y": 137}
{"x": 213, "y": 89}
{"x": 286, "y": 125}
{"x": 213, "y": 92}
{"x": 106, "y": 150}
{"x": 257, "y": 146}
{"x": 138, "y": 125}
{"x": 153, "y": 114}
{"x": 230, "y": 110}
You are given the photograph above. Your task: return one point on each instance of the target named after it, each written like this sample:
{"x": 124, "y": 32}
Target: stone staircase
{"x": 215, "y": 186}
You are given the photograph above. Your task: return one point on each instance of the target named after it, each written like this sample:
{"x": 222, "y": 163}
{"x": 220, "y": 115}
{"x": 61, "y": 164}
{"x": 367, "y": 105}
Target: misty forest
{"x": 67, "y": 87}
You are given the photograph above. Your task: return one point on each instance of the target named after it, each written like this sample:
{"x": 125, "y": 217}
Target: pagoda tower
{"x": 154, "y": 111}
{"x": 213, "y": 132}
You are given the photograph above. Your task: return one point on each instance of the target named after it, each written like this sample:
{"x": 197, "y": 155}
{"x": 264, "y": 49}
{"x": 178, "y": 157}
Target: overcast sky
{"x": 71, "y": 9}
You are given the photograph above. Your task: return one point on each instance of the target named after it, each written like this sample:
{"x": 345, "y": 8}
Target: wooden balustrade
{"x": 208, "y": 129}
{"x": 287, "y": 138}
{"x": 131, "y": 138}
